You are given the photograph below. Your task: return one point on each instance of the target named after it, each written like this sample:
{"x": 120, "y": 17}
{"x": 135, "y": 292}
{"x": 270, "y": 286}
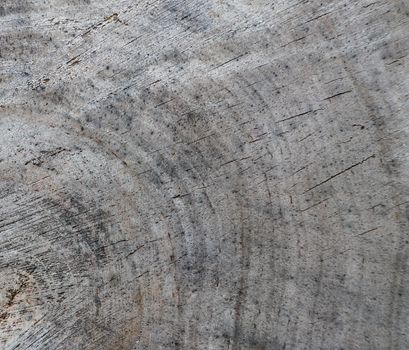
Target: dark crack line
{"x": 339, "y": 173}
{"x": 299, "y": 115}
{"x": 336, "y": 95}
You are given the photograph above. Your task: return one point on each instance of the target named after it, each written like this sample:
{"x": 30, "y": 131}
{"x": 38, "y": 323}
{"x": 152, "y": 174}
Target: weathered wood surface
{"x": 204, "y": 174}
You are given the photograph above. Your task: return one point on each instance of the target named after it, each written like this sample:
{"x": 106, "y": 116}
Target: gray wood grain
{"x": 227, "y": 174}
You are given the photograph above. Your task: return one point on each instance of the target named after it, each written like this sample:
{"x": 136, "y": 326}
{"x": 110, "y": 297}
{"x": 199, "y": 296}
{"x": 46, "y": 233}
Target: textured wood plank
{"x": 204, "y": 174}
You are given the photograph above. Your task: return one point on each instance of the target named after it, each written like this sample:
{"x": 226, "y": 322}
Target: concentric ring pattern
{"x": 204, "y": 175}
